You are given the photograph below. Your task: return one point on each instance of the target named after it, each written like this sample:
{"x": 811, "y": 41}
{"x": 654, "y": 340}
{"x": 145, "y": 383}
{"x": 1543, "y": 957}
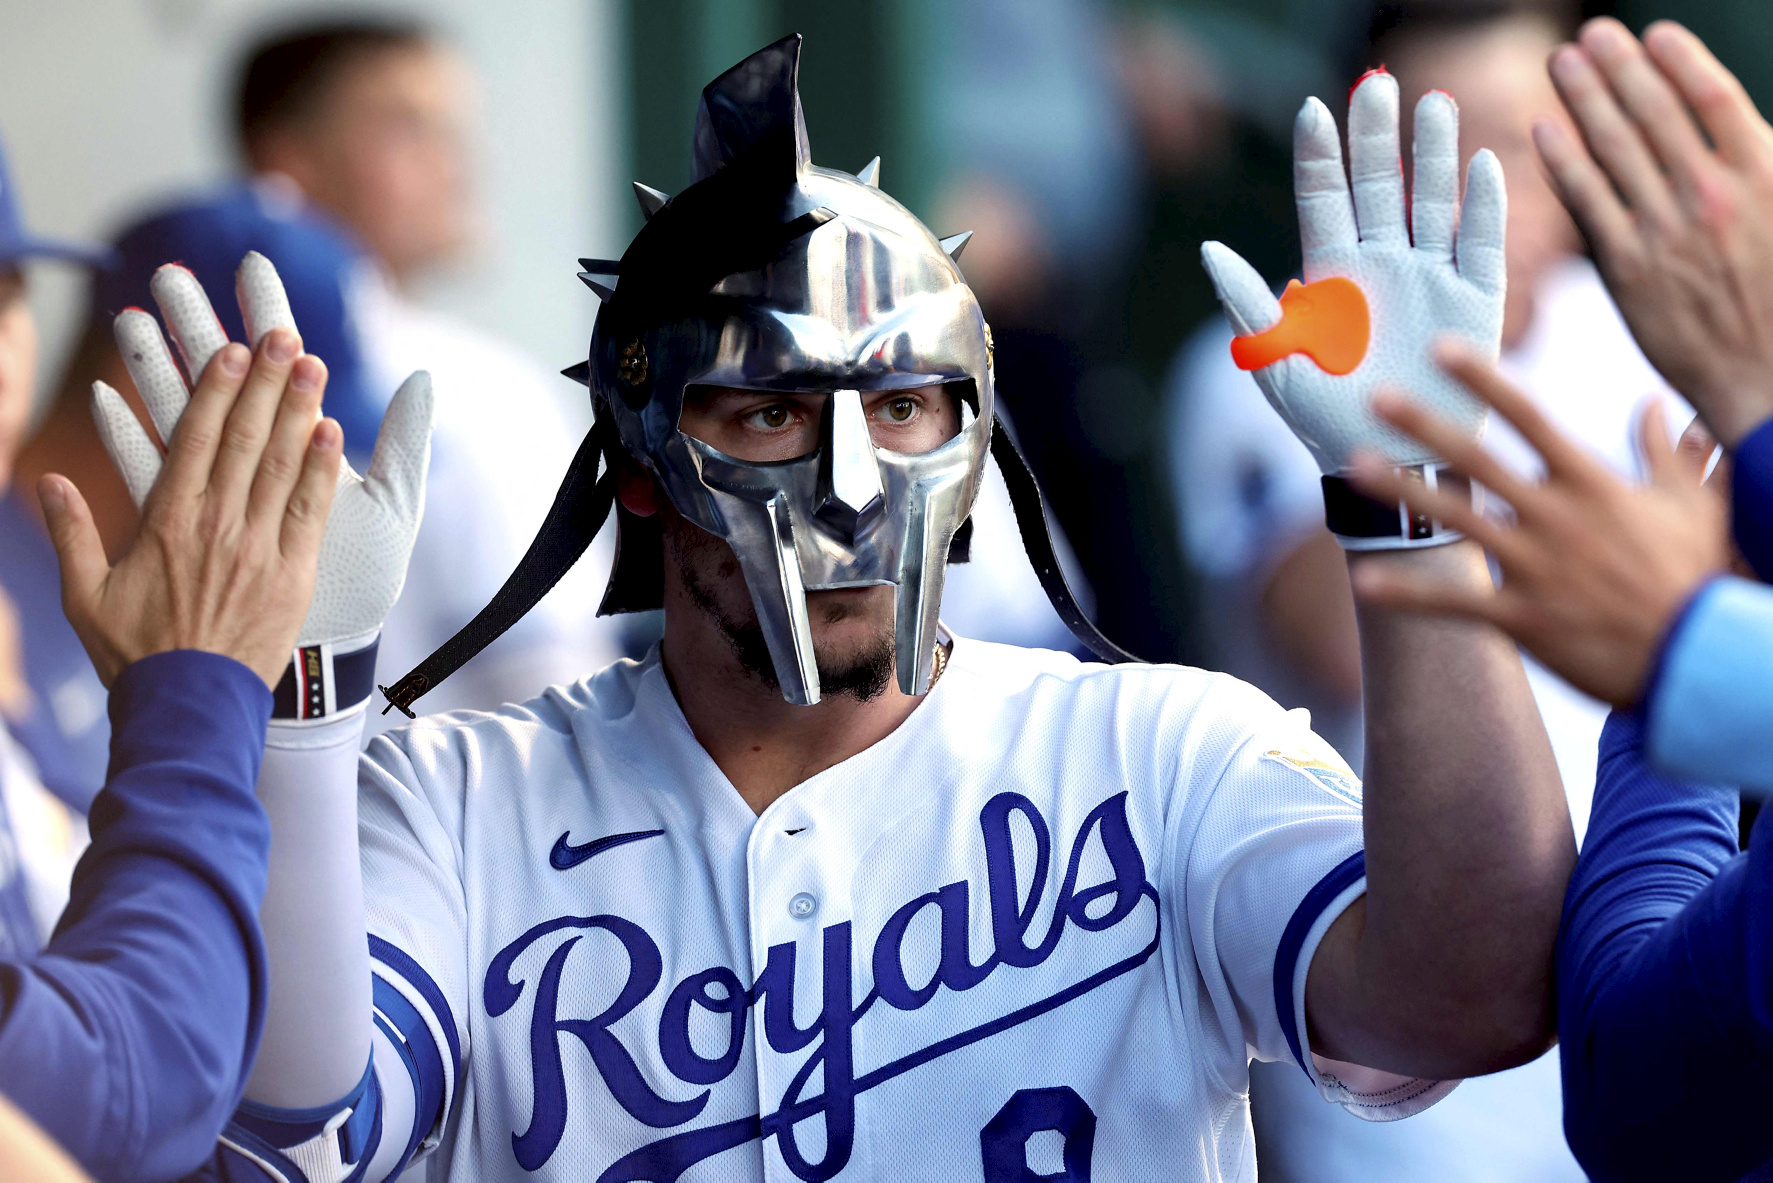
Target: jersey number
{"x": 1003, "y": 1143}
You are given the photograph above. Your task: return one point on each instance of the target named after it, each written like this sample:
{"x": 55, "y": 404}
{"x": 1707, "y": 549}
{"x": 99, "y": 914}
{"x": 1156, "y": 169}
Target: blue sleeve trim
{"x": 1286, "y": 958}
{"x": 1751, "y": 497}
{"x": 1710, "y": 717}
{"x": 398, "y": 961}
{"x": 406, "y": 1030}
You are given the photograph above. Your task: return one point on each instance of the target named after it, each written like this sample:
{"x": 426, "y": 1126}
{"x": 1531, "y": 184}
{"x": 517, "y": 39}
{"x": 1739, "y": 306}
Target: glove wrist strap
{"x": 326, "y": 680}
{"x": 1361, "y": 523}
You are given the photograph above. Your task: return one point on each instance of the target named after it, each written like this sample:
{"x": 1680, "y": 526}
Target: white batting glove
{"x": 1318, "y": 369}
{"x": 369, "y": 534}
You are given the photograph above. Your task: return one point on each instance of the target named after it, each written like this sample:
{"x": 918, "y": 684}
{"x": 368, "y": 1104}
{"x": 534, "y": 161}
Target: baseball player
{"x": 818, "y": 890}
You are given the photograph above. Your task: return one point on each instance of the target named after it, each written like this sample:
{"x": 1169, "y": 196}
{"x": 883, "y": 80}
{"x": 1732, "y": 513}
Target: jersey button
{"x": 801, "y": 905}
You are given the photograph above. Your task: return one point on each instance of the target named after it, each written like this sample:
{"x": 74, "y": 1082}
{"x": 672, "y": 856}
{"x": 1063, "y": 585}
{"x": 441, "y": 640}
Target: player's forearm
{"x": 318, "y": 1024}
{"x": 1468, "y": 843}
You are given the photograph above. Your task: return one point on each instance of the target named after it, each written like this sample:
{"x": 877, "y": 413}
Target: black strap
{"x": 1031, "y": 519}
{"x": 1350, "y": 513}
{"x": 578, "y": 512}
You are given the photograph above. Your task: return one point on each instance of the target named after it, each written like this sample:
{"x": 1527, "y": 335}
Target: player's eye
{"x": 899, "y": 410}
{"x": 771, "y": 418}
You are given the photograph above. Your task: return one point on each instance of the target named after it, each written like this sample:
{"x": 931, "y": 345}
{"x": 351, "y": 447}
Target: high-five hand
{"x": 1374, "y": 301}
{"x": 374, "y": 518}
{"x": 1679, "y": 211}
{"x": 231, "y": 522}
{"x": 1595, "y": 570}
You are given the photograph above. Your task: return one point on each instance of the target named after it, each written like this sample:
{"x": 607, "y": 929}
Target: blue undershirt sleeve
{"x": 129, "y": 1037}
{"x": 1709, "y": 704}
{"x": 1664, "y": 984}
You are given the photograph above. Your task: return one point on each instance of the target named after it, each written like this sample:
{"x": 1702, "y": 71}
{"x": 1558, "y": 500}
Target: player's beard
{"x": 708, "y": 567}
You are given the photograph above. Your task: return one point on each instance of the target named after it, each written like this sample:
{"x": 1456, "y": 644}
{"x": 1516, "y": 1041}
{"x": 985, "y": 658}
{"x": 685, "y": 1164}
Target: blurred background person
{"x": 1043, "y": 159}
{"x": 1279, "y": 606}
{"x": 42, "y": 832}
{"x": 369, "y": 121}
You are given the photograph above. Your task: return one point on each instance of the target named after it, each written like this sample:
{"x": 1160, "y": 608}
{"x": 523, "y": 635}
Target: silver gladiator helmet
{"x": 771, "y": 273}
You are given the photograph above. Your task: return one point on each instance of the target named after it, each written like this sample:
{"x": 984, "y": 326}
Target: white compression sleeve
{"x": 319, "y": 1018}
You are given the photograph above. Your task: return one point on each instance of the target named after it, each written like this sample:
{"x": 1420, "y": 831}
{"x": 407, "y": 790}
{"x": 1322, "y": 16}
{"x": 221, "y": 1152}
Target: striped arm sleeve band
{"x": 415, "y": 1017}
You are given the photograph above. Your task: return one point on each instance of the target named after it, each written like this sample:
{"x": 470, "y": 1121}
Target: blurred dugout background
{"x": 1091, "y": 144}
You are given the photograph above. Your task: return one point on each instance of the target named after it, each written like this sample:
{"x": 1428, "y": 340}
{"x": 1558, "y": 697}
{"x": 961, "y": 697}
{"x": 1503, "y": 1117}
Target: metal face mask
{"x": 772, "y": 274}
{"x": 866, "y": 302}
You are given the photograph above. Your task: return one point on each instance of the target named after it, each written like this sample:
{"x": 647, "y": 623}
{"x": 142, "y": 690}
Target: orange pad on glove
{"x": 1327, "y": 321}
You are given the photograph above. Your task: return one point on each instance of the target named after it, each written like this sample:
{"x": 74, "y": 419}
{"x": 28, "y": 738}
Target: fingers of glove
{"x": 248, "y": 425}
{"x": 191, "y": 321}
{"x": 1612, "y": 139}
{"x": 292, "y": 430}
{"x": 151, "y": 368}
{"x": 1483, "y": 225}
{"x": 1435, "y": 175}
{"x": 1583, "y": 188}
{"x": 1563, "y": 458}
{"x": 1374, "y": 161}
{"x": 403, "y": 449}
{"x": 1649, "y": 99}
{"x": 126, "y": 442}
{"x": 1249, "y": 304}
{"x": 1455, "y": 447}
{"x": 307, "y": 501}
{"x": 264, "y": 305}
{"x": 78, "y": 550}
{"x": 1729, "y": 115}
{"x": 1320, "y": 186}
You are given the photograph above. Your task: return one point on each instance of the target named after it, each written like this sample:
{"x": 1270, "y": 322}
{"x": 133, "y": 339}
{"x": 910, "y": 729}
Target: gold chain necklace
{"x": 941, "y": 664}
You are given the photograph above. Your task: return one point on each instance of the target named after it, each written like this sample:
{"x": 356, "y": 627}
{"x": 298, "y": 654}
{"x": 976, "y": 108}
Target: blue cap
{"x": 18, "y": 244}
{"x": 316, "y": 259}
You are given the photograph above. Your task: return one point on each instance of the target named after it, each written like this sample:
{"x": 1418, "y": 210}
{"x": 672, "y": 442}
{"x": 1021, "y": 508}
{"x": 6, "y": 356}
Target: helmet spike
{"x": 651, "y": 199}
{"x": 956, "y": 243}
{"x": 604, "y": 291}
{"x": 601, "y": 266}
{"x": 870, "y": 174}
{"x": 580, "y": 373}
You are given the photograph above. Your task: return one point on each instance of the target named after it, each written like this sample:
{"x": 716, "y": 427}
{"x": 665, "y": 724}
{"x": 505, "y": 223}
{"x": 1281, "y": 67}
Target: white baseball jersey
{"x": 1036, "y": 932}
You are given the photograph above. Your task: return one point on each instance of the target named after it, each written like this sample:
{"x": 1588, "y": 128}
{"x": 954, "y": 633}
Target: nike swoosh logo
{"x": 565, "y": 856}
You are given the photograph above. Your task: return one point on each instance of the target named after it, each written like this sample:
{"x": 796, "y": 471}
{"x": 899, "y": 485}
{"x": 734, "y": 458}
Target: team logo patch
{"x": 1335, "y": 778}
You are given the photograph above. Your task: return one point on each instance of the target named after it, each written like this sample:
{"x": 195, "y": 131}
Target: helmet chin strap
{"x": 583, "y": 503}
{"x": 574, "y": 519}
{"x": 1031, "y": 520}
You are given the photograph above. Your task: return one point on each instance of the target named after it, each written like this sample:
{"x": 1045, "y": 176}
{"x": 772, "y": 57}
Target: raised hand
{"x": 1322, "y": 366}
{"x": 1678, "y": 211}
{"x": 369, "y": 535}
{"x": 231, "y": 522}
{"x": 1595, "y": 570}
